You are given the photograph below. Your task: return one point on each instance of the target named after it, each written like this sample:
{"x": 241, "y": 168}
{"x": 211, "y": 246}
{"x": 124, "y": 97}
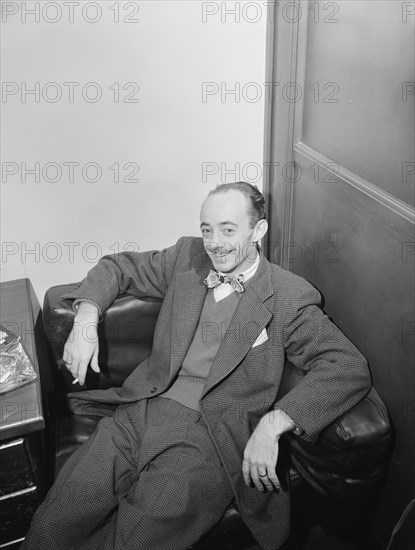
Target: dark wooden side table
{"x": 23, "y": 479}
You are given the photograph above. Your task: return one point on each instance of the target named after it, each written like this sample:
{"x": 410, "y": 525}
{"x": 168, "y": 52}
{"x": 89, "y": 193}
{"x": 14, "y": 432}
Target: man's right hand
{"x": 81, "y": 348}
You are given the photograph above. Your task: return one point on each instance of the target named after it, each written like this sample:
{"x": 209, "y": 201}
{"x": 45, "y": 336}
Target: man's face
{"x": 227, "y": 235}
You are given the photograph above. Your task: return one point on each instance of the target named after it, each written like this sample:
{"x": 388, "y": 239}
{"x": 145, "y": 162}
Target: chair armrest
{"x": 350, "y": 458}
{"x": 125, "y": 337}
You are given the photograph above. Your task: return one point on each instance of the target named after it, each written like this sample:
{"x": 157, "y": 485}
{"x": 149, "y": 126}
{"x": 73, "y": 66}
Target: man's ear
{"x": 260, "y": 230}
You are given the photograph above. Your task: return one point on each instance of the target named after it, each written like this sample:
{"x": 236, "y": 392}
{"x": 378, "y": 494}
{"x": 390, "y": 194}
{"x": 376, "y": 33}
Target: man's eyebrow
{"x": 221, "y": 223}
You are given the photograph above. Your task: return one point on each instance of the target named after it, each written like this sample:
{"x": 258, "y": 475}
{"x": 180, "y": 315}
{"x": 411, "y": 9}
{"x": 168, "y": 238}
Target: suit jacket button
{"x": 153, "y": 390}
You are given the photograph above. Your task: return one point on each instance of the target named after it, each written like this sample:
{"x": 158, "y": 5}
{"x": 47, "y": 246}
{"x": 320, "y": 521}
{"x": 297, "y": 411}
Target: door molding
{"x": 362, "y": 192}
{"x": 279, "y": 157}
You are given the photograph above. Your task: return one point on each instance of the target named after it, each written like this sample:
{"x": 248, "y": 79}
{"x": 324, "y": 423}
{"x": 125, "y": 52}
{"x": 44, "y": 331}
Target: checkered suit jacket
{"x": 243, "y": 381}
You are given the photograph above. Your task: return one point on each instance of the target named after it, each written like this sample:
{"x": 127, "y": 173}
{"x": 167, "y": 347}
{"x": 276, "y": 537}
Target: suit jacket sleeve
{"x": 141, "y": 274}
{"x": 336, "y": 374}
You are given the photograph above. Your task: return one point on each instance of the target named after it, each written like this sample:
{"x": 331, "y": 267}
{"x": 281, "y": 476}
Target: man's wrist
{"x": 87, "y": 309}
{"x": 279, "y": 422}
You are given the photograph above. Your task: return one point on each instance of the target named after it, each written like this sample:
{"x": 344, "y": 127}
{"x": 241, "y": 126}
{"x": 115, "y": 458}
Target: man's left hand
{"x": 261, "y": 452}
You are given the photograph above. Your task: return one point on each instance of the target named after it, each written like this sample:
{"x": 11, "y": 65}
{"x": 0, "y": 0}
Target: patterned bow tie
{"x": 214, "y": 279}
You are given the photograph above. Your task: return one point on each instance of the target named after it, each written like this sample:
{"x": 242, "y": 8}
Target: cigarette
{"x": 75, "y": 381}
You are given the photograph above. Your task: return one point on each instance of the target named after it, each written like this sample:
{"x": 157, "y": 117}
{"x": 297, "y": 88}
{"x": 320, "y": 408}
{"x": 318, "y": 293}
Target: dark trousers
{"x": 148, "y": 478}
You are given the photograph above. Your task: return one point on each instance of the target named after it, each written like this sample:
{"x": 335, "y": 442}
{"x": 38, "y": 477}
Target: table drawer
{"x": 16, "y": 512}
{"x": 16, "y": 471}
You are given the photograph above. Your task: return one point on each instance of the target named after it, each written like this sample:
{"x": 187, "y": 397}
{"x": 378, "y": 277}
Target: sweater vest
{"x": 214, "y": 320}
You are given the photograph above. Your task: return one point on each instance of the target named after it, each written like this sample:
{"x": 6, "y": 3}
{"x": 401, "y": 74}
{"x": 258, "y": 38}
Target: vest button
{"x": 153, "y": 390}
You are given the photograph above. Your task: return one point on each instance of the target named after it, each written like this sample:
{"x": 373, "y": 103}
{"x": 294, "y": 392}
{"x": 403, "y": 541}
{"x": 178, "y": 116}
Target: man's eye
{"x": 205, "y": 231}
{"x": 229, "y": 231}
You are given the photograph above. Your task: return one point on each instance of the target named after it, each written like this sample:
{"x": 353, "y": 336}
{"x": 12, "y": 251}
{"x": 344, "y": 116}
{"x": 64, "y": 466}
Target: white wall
{"x": 170, "y": 132}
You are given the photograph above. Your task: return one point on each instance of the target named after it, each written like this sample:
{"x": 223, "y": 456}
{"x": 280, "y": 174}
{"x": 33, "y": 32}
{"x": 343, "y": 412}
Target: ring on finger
{"x": 263, "y": 475}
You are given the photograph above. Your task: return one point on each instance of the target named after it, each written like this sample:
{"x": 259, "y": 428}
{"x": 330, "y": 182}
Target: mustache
{"x": 222, "y": 249}
{"x": 218, "y": 248}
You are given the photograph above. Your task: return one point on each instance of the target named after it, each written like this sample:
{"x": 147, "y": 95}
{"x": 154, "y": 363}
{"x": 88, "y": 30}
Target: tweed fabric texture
{"x": 243, "y": 381}
{"x": 147, "y": 457}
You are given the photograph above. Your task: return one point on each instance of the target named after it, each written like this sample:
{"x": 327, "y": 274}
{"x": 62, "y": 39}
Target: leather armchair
{"x": 340, "y": 473}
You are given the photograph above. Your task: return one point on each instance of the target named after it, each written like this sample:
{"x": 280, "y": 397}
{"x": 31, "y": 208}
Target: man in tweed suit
{"x": 198, "y": 422}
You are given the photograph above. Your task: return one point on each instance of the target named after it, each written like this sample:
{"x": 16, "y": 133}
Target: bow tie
{"x": 214, "y": 279}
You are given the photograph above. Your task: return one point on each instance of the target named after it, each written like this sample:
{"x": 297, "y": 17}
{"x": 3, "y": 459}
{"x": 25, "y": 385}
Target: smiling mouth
{"x": 219, "y": 256}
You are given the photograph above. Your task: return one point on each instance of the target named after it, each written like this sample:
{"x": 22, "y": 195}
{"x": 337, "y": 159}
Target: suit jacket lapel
{"x": 250, "y": 318}
{"x": 189, "y": 297}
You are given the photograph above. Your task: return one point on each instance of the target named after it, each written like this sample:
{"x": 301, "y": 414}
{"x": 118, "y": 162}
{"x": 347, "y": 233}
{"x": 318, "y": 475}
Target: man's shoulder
{"x": 189, "y": 243}
{"x": 189, "y": 247}
{"x": 288, "y": 283}
{"x": 186, "y": 252}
